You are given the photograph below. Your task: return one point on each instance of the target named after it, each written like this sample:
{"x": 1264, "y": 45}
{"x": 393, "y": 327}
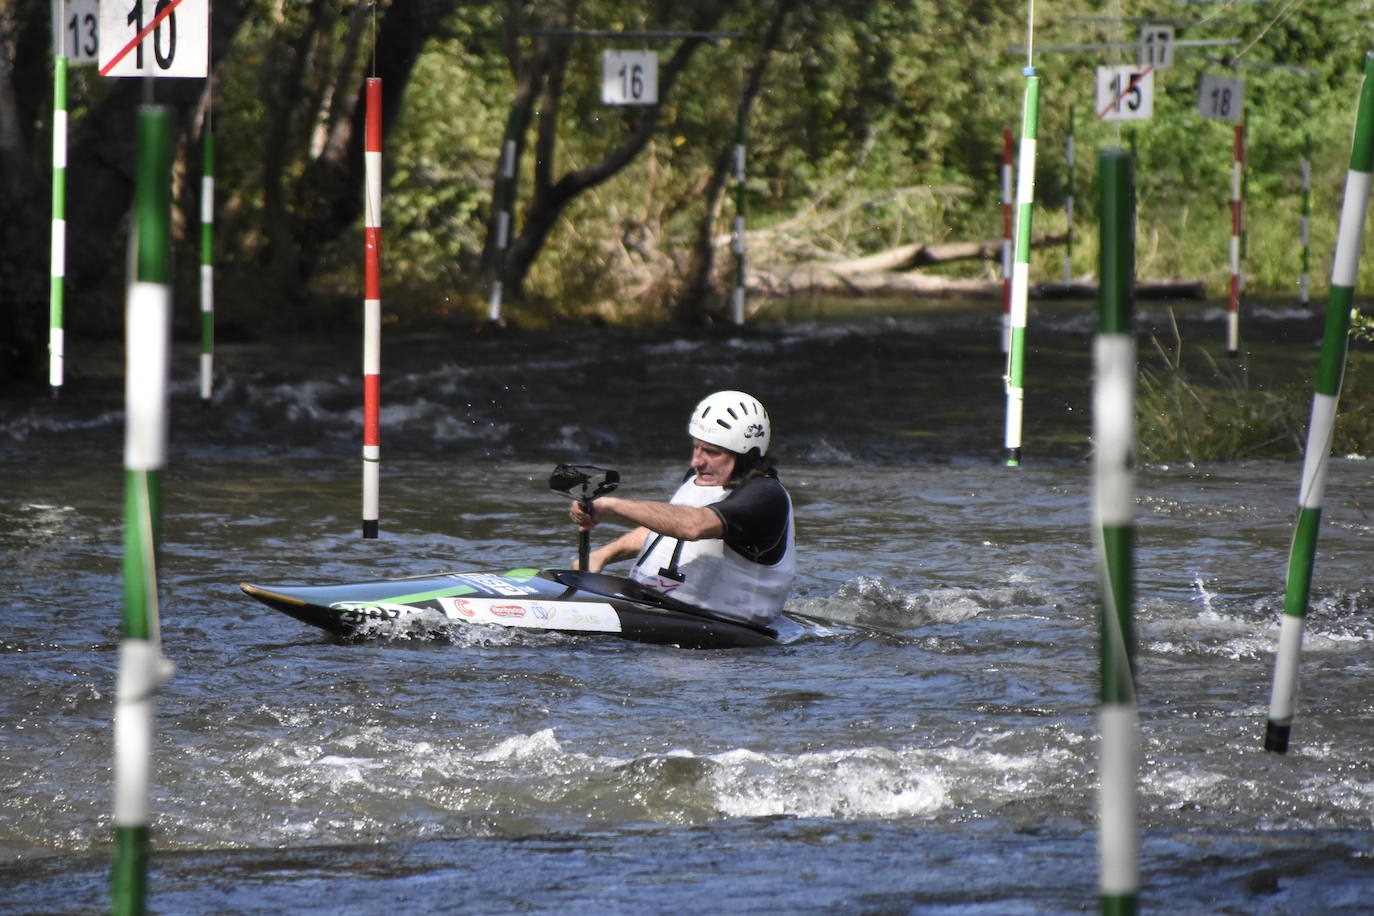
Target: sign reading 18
{"x": 164, "y": 60}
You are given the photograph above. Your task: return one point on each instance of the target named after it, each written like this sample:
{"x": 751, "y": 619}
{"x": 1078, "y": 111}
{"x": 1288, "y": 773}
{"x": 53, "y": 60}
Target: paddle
{"x": 593, "y": 482}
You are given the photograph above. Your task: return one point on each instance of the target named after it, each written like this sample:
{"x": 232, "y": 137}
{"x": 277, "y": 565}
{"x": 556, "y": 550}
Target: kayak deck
{"x": 563, "y": 601}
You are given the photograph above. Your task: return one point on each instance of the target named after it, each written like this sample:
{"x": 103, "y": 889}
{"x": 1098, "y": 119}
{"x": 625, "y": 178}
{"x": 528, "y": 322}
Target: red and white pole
{"x": 1008, "y": 156}
{"x": 1237, "y": 214}
{"x": 372, "y": 310}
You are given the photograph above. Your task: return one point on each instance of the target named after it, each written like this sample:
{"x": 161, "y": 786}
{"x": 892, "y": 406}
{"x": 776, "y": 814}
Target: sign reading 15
{"x": 176, "y": 42}
{"x": 1125, "y": 93}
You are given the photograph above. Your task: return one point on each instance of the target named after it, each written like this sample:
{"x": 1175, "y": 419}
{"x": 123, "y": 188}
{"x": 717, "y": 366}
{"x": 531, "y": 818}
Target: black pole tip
{"x": 369, "y": 528}
{"x": 1276, "y": 737}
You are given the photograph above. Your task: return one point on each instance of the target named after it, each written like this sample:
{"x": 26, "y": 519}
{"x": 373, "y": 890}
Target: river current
{"x": 924, "y": 741}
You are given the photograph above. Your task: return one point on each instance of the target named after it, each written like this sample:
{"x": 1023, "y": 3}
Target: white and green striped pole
{"x": 1114, "y": 362}
{"x": 56, "y": 331}
{"x": 1302, "y": 555}
{"x": 1020, "y": 274}
{"x": 207, "y": 264}
{"x": 505, "y": 201}
{"x": 1008, "y": 190}
{"x": 737, "y": 297}
{"x": 1305, "y": 223}
{"x": 142, "y": 668}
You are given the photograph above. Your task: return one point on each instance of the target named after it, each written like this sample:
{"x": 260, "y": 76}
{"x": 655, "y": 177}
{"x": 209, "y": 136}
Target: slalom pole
{"x": 56, "y": 332}
{"x": 207, "y": 264}
{"x": 505, "y": 194}
{"x": 737, "y": 299}
{"x": 1305, "y": 223}
{"x": 1237, "y": 205}
{"x": 1068, "y": 204}
{"x": 1302, "y": 554}
{"x": 1008, "y": 158}
{"x": 142, "y": 668}
{"x": 1020, "y": 278}
{"x": 1114, "y": 360}
{"x": 372, "y": 310}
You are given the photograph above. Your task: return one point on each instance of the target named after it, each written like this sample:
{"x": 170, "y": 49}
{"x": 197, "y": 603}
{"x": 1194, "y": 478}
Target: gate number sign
{"x": 1220, "y": 98}
{"x": 76, "y": 30}
{"x": 154, "y": 38}
{"x": 1125, "y": 93}
{"x": 628, "y": 77}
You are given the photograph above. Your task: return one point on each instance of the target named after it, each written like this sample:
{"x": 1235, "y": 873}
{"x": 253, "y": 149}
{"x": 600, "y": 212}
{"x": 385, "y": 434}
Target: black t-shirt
{"x": 755, "y": 515}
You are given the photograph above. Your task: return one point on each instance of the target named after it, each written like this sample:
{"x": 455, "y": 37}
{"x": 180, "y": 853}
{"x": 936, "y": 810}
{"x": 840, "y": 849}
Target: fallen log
{"x": 921, "y": 254}
{"x": 822, "y": 279}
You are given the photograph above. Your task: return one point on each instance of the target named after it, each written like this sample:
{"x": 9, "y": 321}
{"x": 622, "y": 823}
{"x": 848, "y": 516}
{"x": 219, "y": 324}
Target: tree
{"x": 540, "y": 77}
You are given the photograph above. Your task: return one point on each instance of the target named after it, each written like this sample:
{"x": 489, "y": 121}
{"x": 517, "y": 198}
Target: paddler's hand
{"x": 583, "y": 519}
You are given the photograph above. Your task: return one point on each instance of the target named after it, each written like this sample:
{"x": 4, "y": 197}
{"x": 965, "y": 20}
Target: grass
{"x": 1206, "y": 411}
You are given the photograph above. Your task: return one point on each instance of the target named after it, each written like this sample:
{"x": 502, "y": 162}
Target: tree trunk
{"x": 691, "y": 306}
{"x": 550, "y": 198}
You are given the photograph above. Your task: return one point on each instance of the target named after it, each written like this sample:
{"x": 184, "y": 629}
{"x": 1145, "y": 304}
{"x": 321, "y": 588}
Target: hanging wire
{"x": 1281, "y": 15}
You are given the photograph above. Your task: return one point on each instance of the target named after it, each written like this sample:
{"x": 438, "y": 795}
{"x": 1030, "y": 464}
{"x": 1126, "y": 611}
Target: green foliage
{"x": 441, "y": 157}
{"x": 1212, "y": 416}
{"x": 1226, "y": 412}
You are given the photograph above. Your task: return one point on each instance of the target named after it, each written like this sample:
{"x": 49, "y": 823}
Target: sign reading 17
{"x": 154, "y": 37}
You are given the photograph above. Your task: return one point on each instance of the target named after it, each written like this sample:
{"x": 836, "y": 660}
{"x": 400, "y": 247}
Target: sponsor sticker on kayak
{"x": 586, "y": 616}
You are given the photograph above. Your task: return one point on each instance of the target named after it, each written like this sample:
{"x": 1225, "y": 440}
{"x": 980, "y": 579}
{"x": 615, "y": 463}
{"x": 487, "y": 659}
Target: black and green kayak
{"x": 555, "y": 600}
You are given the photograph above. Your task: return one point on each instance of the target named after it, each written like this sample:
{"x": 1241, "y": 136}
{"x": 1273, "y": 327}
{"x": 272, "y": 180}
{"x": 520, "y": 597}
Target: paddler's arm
{"x": 686, "y": 523}
{"x": 627, "y": 545}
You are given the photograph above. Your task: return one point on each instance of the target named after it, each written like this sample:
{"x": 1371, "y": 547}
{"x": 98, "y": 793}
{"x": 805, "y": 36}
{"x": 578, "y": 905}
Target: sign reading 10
{"x": 176, "y": 42}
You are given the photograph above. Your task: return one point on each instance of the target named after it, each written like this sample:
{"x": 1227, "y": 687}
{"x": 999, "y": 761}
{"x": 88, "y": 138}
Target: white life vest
{"x": 714, "y": 576}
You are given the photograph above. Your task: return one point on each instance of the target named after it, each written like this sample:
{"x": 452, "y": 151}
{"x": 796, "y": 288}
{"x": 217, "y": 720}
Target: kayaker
{"x": 724, "y": 541}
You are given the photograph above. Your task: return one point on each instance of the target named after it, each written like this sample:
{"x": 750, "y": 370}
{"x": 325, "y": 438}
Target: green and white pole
{"x": 1330, "y": 367}
{"x": 505, "y": 201}
{"x": 1237, "y": 250}
{"x": 1305, "y": 223}
{"x": 56, "y": 332}
{"x": 1114, "y": 360}
{"x": 207, "y": 263}
{"x": 142, "y": 668}
{"x": 737, "y": 297}
{"x": 1020, "y": 274}
{"x": 1068, "y": 203}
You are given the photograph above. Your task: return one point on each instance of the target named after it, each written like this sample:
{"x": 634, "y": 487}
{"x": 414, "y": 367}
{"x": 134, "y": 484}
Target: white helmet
{"x": 732, "y": 420}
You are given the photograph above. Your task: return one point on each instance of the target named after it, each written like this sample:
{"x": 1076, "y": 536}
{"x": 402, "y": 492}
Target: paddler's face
{"x": 713, "y": 464}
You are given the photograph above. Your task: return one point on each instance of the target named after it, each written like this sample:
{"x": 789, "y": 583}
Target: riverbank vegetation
{"x": 872, "y": 126}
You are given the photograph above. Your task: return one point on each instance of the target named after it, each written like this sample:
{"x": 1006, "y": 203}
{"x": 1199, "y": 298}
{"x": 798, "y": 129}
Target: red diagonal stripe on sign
{"x": 124, "y": 52}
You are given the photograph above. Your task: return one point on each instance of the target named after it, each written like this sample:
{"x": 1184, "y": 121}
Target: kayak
{"x": 552, "y": 600}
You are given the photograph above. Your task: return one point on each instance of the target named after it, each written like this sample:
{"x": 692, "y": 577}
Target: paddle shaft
{"x": 584, "y": 539}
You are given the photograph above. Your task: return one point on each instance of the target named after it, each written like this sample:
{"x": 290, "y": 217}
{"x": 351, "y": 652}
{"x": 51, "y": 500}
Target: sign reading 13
{"x": 75, "y": 30}
{"x": 154, "y": 38}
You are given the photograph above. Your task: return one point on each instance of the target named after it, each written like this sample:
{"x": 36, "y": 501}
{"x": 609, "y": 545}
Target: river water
{"x": 923, "y": 742}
